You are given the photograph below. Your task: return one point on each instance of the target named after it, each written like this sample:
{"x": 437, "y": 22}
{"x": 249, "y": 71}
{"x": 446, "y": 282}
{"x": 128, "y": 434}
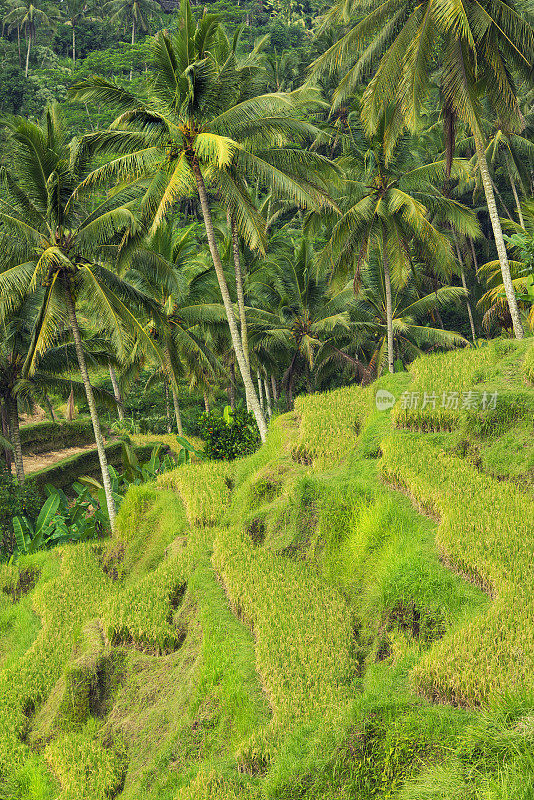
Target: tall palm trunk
{"x": 274, "y": 388}
{"x": 106, "y": 482}
{"x": 231, "y": 388}
{"x": 116, "y": 392}
{"x": 260, "y": 390}
{"x": 167, "y": 406}
{"x": 133, "y": 42}
{"x": 389, "y": 306}
{"x": 268, "y": 397}
{"x": 14, "y": 435}
{"x": 464, "y": 284}
{"x": 499, "y": 238}
{"x": 239, "y": 287}
{"x": 28, "y": 54}
{"x": 73, "y": 44}
{"x": 206, "y": 402}
{"x": 177, "y": 414}
{"x": 8, "y": 453}
{"x": 244, "y": 367}
{"x": 516, "y": 197}
{"x": 474, "y": 257}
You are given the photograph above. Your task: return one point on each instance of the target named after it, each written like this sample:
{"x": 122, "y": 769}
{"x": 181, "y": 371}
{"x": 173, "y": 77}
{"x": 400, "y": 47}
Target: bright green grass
{"x": 281, "y": 627}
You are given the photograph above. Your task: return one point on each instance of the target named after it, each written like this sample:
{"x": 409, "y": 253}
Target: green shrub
{"x": 229, "y": 435}
{"x": 14, "y": 500}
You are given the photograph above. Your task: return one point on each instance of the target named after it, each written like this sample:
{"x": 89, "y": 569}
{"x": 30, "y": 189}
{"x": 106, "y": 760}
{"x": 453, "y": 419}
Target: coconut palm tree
{"x": 134, "y": 14}
{"x": 293, "y": 313}
{"x": 188, "y": 131}
{"x": 478, "y": 43}
{"x": 29, "y": 17}
{"x": 521, "y": 244}
{"x": 53, "y": 372}
{"x": 165, "y": 266}
{"x": 408, "y": 320}
{"x": 57, "y": 238}
{"x": 389, "y": 199}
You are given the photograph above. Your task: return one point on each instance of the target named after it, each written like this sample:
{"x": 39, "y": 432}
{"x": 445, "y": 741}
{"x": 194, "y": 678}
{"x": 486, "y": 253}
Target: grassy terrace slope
{"x": 348, "y": 613}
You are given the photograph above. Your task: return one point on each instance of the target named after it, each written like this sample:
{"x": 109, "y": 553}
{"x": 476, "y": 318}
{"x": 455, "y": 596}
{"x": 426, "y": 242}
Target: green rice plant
{"x": 25, "y": 684}
{"x": 204, "y": 489}
{"x": 84, "y": 768}
{"x": 448, "y": 388}
{"x": 208, "y": 785}
{"x": 149, "y": 520}
{"x": 528, "y": 364}
{"x": 329, "y": 423}
{"x": 485, "y": 533}
{"x": 141, "y": 612}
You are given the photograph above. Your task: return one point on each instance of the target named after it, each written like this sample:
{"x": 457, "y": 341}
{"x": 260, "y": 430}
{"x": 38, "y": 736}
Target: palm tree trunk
{"x": 8, "y": 453}
{"x": 133, "y": 42}
{"x": 28, "y": 54}
{"x": 268, "y": 397}
{"x": 499, "y": 239}
{"x": 14, "y": 435}
{"x": 177, "y": 414}
{"x": 73, "y": 45}
{"x": 274, "y": 388}
{"x": 260, "y": 390}
{"x": 389, "y": 306}
{"x": 106, "y": 482}
{"x": 474, "y": 256}
{"x": 167, "y": 406}
{"x": 239, "y": 288}
{"x": 244, "y": 367}
{"x": 516, "y": 197}
{"x": 231, "y": 388}
{"x": 206, "y": 402}
{"x": 116, "y": 392}
{"x": 464, "y": 284}
{"x": 49, "y": 408}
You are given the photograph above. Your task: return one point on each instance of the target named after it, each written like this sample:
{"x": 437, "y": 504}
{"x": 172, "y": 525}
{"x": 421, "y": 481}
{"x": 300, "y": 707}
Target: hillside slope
{"x": 347, "y": 613}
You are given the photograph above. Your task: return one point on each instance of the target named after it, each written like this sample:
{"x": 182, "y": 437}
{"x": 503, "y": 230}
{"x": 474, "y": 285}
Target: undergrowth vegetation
{"x": 346, "y": 613}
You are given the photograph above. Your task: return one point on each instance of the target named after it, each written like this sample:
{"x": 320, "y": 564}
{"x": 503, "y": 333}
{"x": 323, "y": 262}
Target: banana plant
{"x": 60, "y": 521}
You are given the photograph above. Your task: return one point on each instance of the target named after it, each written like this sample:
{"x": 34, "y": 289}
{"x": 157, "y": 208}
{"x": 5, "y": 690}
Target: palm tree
{"x": 410, "y": 312}
{"x": 479, "y": 43}
{"x": 293, "y": 312}
{"x": 516, "y": 155}
{"x": 53, "y": 372}
{"x": 187, "y": 133}
{"x": 520, "y": 243}
{"x": 390, "y": 197}
{"x": 74, "y": 11}
{"x": 29, "y": 17}
{"x": 132, "y": 13}
{"x": 56, "y": 240}
{"x": 165, "y": 267}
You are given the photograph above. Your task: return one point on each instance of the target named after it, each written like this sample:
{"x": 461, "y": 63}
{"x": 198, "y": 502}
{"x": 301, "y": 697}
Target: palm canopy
{"x": 410, "y": 314}
{"x": 521, "y": 244}
{"x": 390, "y": 199}
{"x": 198, "y": 111}
{"x": 57, "y": 236}
{"x": 293, "y": 312}
{"x": 388, "y": 206}
{"x": 165, "y": 266}
{"x": 478, "y": 42}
